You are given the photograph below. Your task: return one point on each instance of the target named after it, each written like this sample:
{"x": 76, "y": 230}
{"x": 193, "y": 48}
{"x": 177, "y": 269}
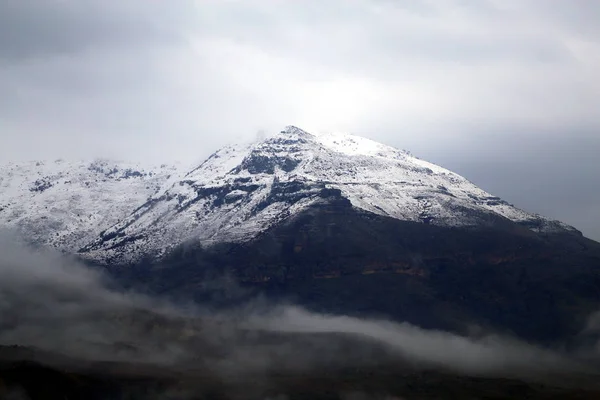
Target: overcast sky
{"x": 504, "y": 92}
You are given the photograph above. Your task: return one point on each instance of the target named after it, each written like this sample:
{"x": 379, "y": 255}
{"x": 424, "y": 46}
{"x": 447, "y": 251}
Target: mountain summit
{"x": 333, "y": 222}
{"x": 240, "y": 192}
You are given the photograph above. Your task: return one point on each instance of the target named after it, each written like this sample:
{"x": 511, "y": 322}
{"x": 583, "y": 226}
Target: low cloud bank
{"x": 485, "y": 355}
{"x": 51, "y": 302}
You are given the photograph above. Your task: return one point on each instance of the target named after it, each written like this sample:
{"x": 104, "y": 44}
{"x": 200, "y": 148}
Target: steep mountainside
{"x": 333, "y": 222}
{"x": 241, "y": 191}
{"x": 335, "y": 258}
{"x": 65, "y": 205}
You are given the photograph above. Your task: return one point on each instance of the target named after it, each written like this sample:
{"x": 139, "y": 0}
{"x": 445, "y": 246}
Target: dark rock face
{"x": 277, "y": 152}
{"x": 237, "y": 192}
{"x": 261, "y": 164}
{"x": 41, "y": 185}
{"x": 337, "y": 259}
{"x": 113, "y": 172}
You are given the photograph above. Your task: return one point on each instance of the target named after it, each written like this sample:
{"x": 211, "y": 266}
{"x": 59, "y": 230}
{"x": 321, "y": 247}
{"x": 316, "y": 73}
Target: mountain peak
{"x": 293, "y": 130}
{"x": 241, "y": 192}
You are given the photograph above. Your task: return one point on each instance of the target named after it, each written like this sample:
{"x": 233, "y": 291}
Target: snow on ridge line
{"x": 240, "y": 190}
{"x": 353, "y": 145}
{"x": 357, "y": 145}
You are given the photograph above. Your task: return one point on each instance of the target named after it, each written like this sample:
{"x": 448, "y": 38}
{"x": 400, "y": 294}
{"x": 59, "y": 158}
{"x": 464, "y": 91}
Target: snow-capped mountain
{"x": 333, "y": 222}
{"x": 65, "y": 204}
{"x": 241, "y": 191}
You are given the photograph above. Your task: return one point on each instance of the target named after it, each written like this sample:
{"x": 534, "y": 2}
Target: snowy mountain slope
{"x": 241, "y": 191}
{"x": 66, "y": 204}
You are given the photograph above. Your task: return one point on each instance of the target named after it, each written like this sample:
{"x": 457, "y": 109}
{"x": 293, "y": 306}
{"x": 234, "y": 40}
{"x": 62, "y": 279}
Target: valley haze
{"x": 53, "y": 303}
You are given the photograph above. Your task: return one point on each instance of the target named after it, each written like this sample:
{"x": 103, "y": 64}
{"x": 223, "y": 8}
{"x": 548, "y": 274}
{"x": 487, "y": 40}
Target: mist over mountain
{"x": 293, "y": 254}
{"x": 61, "y": 315}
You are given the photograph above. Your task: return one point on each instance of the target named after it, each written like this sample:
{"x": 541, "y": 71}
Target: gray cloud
{"x": 37, "y": 28}
{"x": 579, "y": 16}
{"x": 375, "y": 36}
{"x": 448, "y": 79}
